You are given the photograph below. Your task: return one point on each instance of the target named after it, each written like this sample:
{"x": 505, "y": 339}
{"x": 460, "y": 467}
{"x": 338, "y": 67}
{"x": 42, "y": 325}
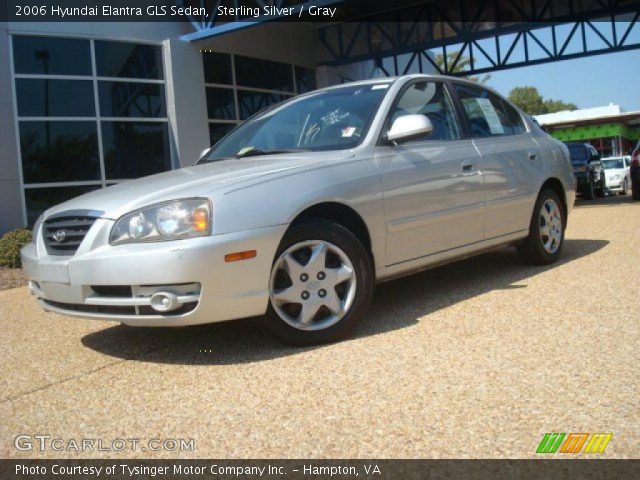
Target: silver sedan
{"x": 296, "y": 214}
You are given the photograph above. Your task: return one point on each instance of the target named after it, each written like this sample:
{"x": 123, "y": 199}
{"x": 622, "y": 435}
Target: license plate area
{"x": 54, "y": 272}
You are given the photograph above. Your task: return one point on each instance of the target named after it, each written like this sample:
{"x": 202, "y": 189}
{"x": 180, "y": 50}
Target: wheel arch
{"x": 556, "y": 185}
{"x": 341, "y": 214}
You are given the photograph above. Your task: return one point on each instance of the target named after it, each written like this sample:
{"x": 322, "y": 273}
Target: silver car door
{"x": 510, "y": 159}
{"x": 433, "y": 189}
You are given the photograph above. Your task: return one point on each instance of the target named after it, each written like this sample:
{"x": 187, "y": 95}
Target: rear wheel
{"x": 321, "y": 284}
{"x": 635, "y": 189}
{"x": 546, "y": 231}
{"x": 588, "y": 192}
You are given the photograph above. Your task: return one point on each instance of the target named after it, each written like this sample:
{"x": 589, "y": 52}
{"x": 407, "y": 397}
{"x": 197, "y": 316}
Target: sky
{"x": 588, "y": 82}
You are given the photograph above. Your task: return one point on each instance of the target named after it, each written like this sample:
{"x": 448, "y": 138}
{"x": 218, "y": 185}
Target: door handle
{"x": 533, "y": 156}
{"x": 467, "y": 165}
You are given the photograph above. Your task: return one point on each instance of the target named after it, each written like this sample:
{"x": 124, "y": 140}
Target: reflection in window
{"x": 220, "y": 104}
{"x": 131, "y": 99}
{"x": 217, "y": 68}
{"x": 250, "y": 102}
{"x": 431, "y": 100}
{"x": 39, "y": 199}
{"x": 251, "y": 72}
{"x": 54, "y": 98}
{"x": 59, "y": 151}
{"x": 135, "y": 149}
{"x": 51, "y": 56}
{"x": 219, "y": 130}
{"x": 305, "y": 79}
{"x": 128, "y": 60}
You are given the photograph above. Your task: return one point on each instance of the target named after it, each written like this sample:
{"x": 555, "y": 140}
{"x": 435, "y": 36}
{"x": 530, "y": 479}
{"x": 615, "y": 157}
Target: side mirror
{"x": 407, "y": 127}
{"x": 204, "y": 152}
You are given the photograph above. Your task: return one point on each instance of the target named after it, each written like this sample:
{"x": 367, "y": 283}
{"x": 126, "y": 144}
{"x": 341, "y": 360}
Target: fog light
{"x": 164, "y": 302}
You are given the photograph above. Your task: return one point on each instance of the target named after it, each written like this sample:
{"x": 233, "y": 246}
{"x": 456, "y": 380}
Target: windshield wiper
{"x": 257, "y": 152}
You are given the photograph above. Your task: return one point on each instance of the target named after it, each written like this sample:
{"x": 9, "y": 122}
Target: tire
{"x": 346, "y": 295}
{"x": 625, "y": 187}
{"x": 538, "y": 248}
{"x": 635, "y": 190}
{"x": 588, "y": 192}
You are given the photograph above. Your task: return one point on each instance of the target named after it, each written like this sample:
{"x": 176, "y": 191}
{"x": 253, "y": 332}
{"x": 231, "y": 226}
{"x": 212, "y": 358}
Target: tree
{"x": 460, "y": 67}
{"x": 558, "y": 105}
{"x": 529, "y": 100}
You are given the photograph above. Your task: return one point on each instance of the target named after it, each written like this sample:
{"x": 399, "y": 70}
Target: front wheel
{"x": 625, "y": 187}
{"x": 321, "y": 284}
{"x": 546, "y": 231}
{"x": 588, "y": 192}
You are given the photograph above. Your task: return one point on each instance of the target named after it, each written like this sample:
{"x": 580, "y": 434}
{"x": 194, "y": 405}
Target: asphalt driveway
{"x": 475, "y": 359}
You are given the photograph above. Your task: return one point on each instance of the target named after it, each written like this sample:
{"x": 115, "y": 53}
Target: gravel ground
{"x": 475, "y": 359}
{"x": 11, "y": 278}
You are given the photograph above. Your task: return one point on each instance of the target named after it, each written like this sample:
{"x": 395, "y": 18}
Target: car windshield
{"x": 578, "y": 153}
{"x": 328, "y": 120}
{"x": 613, "y": 163}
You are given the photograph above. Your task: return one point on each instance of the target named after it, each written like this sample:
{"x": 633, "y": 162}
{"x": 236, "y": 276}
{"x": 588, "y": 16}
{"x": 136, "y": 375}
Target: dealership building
{"x": 87, "y": 105}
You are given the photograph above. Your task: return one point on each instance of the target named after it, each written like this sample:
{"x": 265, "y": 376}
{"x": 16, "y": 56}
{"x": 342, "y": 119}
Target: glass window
{"x": 305, "y": 79}
{"x": 251, "y": 72}
{"x": 51, "y": 56}
{"x": 39, "y": 199}
{"x": 488, "y": 114}
{"x": 578, "y": 153}
{"x": 135, "y": 149}
{"x": 220, "y": 104}
{"x": 217, "y": 68}
{"x": 128, "y": 60}
{"x": 219, "y": 130}
{"x": 131, "y": 99}
{"x": 55, "y": 98}
{"x": 333, "y": 119}
{"x": 59, "y": 151}
{"x": 431, "y": 100}
{"x": 250, "y": 102}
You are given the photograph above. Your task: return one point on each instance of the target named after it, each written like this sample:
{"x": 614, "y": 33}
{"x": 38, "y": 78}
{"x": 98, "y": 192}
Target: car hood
{"x": 199, "y": 180}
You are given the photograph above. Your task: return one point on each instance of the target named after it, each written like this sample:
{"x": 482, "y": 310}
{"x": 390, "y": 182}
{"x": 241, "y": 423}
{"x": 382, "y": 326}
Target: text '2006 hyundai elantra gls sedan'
{"x": 297, "y": 213}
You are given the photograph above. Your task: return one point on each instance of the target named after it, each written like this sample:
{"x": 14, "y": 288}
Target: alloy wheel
{"x": 550, "y": 225}
{"x": 312, "y": 285}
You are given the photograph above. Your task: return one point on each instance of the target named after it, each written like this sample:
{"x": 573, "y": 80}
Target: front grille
{"x": 119, "y": 309}
{"x": 63, "y": 234}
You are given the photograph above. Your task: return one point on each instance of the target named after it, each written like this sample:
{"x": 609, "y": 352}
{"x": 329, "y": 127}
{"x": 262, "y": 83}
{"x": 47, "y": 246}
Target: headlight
{"x": 36, "y": 226}
{"x": 165, "y": 221}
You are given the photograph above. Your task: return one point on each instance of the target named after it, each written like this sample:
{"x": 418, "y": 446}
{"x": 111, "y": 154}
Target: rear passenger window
{"x": 488, "y": 115}
{"x": 431, "y": 100}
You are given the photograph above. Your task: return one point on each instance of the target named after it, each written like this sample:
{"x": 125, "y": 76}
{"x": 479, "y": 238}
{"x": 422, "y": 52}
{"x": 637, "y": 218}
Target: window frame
{"x": 235, "y": 88}
{"x": 465, "y": 119}
{"x": 95, "y": 79}
{"x": 462, "y": 131}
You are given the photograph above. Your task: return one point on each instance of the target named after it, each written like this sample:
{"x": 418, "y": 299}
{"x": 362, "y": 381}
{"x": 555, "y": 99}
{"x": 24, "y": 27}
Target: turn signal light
{"x": 200, "y": 219}
{"x": 234, "y": 257}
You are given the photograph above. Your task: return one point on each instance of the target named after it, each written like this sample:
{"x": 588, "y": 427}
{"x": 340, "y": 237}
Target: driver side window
{"x": 429, "y": 99}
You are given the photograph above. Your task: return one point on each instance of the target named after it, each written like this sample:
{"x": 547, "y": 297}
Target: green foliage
{"x": 10, "y": 245}
{"x": 464, "y": 62}
{"x": 529, "y": 100}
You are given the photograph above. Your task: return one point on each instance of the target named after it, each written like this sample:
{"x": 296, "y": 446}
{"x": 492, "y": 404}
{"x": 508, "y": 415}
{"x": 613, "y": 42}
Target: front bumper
{"x": 117, "y": 282}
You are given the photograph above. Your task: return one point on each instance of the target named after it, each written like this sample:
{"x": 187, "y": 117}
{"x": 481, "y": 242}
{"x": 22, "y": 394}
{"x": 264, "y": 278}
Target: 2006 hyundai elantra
{"x": 298, "y": 212}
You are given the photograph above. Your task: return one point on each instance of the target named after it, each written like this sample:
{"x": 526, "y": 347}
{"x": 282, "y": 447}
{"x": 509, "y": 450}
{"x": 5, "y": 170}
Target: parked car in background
{"x": 634, "y": 172}
{"x": 298, "y": 212}
{"x": 616, "y": 174}
{"x": 587, "y": 169}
